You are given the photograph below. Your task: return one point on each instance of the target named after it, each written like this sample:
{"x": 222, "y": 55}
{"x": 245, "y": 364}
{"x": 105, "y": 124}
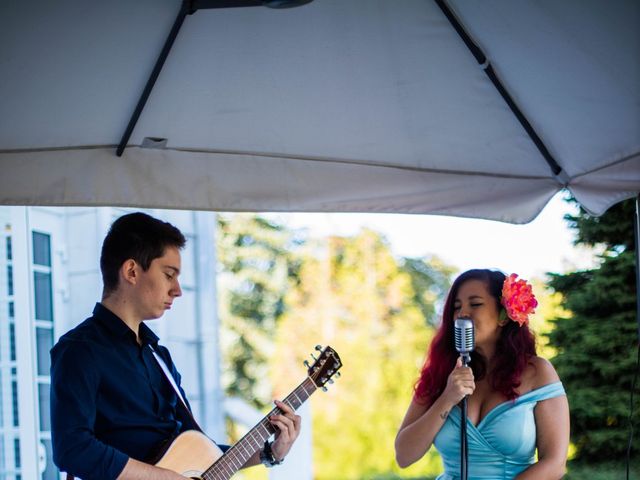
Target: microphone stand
{"x": 464, "y": 453}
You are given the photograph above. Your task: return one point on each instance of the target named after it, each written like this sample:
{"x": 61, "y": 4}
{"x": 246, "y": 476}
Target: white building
{"x": 49, "y": 282}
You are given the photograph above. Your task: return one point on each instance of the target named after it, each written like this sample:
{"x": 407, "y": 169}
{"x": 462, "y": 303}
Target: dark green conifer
{"x": 597, "y": 345}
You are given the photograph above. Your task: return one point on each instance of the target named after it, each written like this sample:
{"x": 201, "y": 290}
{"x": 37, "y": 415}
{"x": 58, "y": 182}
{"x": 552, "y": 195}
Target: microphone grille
{"x": 464, "y": 335}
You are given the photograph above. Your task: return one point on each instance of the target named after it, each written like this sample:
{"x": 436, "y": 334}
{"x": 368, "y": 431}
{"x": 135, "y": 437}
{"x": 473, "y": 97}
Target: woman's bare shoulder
{"x": 540, "y": 372}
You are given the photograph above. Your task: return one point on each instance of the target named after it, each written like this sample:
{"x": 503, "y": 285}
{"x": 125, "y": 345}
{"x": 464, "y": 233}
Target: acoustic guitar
{"x": 192, "y": 454}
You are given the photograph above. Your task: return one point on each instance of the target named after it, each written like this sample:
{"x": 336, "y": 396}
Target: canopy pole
{"x": 636, "y": 229}
{"x": 482, "y": 60}
{"x": 184, "y": 11}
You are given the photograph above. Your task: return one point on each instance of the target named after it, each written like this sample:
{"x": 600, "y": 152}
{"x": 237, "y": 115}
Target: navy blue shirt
{"x": 109, "y": 398}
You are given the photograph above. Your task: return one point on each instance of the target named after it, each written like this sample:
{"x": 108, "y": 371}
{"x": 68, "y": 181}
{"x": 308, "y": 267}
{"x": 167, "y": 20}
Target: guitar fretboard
{"x": 234, "y": 458}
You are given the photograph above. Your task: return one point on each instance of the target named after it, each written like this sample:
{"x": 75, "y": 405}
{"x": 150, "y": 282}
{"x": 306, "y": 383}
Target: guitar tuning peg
{"x": 331, "y": 381}
{"x": 306, "y": 363}
{"x": 314, "y": 357}
{"x": 324, "y": 389}
{"x": 337, "y": 375}
{"x": 319, "y": 348}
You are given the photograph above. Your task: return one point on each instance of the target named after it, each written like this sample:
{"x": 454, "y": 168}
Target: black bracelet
{"x": 267, "y": 457}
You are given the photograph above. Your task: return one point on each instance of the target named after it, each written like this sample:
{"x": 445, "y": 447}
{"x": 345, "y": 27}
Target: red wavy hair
{"x": 516, "y": 345}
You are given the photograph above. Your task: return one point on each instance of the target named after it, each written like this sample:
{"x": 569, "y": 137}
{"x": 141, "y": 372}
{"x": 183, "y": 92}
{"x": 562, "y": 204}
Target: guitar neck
{"x": 253, "y": 441}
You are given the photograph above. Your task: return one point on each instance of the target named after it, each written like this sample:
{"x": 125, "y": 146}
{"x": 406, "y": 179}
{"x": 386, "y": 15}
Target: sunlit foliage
{"x": 354, "y": 295}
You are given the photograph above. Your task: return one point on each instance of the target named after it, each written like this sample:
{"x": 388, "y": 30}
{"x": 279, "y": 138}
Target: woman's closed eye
{"x": 458, "y": 307}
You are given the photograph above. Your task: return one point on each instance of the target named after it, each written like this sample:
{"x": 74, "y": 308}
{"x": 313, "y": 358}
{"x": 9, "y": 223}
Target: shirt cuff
{"x": 117, "y": 464}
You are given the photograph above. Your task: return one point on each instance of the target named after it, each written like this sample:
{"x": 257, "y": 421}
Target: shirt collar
{"x": 117, "y": 327}
{"x": 147, "y": 335}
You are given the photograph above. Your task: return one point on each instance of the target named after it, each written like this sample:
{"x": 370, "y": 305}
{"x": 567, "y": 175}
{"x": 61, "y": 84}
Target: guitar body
{"x": 190, "y": 454}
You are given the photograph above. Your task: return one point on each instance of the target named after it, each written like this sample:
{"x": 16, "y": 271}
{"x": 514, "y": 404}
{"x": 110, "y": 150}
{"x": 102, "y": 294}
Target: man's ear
{"x": 129, "y": 271}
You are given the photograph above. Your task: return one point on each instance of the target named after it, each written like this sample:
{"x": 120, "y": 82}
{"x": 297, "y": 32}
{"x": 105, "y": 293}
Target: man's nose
{"x": 176, "y": 291}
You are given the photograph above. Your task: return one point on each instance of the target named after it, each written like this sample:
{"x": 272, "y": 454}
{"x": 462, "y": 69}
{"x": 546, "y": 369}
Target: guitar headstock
{"x": 325, "y": 367}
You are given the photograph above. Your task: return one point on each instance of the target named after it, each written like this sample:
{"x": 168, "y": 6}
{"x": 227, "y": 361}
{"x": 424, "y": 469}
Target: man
{"x": 112, "y": 407}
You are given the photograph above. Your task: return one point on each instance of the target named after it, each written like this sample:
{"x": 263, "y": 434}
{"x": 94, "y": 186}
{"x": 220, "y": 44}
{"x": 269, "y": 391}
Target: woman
{"x": 516, "y": 402}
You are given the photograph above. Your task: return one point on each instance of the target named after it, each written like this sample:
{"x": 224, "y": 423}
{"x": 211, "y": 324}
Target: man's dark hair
{"x": 138, "y": 236}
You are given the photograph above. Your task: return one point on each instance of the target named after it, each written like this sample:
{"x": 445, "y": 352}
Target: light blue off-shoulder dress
{"x": 502, "y": 445}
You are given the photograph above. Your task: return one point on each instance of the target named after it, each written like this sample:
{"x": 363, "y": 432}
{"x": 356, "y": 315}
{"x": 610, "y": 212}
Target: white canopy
{"x": 338, "y": 105}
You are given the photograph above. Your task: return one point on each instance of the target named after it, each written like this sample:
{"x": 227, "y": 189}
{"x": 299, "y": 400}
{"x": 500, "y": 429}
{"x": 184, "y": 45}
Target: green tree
{"x": 541, "y": 322}
{"x": 354, "y": 295}
{"x": 596, "y": 344}
{"x": 257, "y": 266}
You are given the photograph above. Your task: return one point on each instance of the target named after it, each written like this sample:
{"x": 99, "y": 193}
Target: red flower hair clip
{"x": 518, "y": 299}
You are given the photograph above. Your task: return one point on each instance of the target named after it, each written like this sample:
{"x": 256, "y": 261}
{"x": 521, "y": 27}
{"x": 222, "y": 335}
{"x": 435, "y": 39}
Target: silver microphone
{"x": 465, "y": 338}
